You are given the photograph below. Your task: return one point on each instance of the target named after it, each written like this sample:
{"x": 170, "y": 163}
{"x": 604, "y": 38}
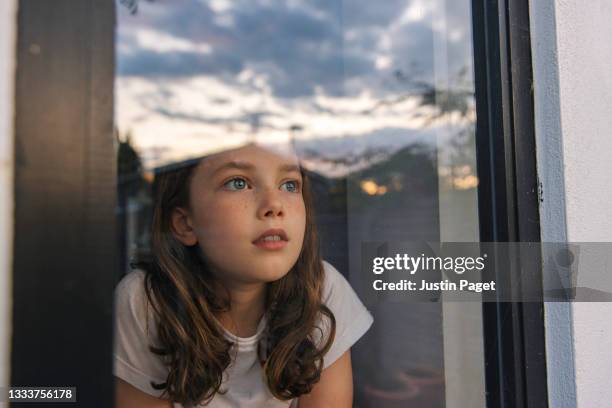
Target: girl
{"x": 236, "y": 308}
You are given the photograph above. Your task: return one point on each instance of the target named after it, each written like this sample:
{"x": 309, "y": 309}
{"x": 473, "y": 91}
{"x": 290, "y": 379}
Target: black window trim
{"x": 515, "y": 358}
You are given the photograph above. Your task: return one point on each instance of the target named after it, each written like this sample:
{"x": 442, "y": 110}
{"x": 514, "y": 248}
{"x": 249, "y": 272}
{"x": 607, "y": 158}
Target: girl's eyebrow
{"x": 284, "y": 168}
{"x": 234, "y": 165}
{"x": 288, "y": 168}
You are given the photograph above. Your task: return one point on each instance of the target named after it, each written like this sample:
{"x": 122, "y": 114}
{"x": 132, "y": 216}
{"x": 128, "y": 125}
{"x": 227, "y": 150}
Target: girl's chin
{"x": 268, "y": 275}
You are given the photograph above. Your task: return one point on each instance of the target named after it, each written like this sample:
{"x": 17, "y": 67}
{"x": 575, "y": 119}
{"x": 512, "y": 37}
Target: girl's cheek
{"x": 220, "y": 204}
{"x": 294, "y": 206}
{"x": 295, "y": 199}
{"x": 299, "y": 203}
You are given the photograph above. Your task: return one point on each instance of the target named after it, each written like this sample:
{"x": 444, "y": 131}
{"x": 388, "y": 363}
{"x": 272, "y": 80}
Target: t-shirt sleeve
{"x": 352, "y": 318}
{"x": 135, "y": 330}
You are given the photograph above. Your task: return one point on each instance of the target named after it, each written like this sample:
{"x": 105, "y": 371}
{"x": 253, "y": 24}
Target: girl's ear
{"x": 182, "y": 227}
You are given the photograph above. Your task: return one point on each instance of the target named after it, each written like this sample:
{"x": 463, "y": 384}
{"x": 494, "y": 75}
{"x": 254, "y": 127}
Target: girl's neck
{"x": 246, "y": 309}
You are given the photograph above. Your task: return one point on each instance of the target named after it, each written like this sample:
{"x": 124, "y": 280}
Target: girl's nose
{"x": 271, "y": 205}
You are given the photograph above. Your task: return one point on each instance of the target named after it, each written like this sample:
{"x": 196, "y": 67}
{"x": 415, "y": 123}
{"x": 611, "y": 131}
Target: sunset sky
{"x": 337, "y": 78}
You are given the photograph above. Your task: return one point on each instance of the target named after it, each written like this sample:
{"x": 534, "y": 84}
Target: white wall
{"x": 584, "y": 33}
{"x": 573, "y": 96}
{"x": 8, "y": 20}
{"x": 549, "y": 149}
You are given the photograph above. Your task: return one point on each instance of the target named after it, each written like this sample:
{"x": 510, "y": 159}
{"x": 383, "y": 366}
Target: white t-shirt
{"x": 243, "y": 379}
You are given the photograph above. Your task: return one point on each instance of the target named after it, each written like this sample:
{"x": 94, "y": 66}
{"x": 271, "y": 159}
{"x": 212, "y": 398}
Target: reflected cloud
{"x": 195, "y": 75}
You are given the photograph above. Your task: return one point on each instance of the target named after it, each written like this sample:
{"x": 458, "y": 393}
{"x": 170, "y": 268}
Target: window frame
{"x": 64, "y": 265}
{"x": 508, "y": 198}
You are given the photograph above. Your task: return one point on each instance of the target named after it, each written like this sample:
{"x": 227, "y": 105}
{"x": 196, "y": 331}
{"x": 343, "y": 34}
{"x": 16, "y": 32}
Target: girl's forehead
{"x": 255, "y": 155}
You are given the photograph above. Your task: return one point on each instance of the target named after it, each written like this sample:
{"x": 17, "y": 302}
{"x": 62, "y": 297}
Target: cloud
{"x": 379, "y": 14}
{"x": 298, "y": 50}
{"x": 299, "y": 46}
{"x": 149, "y": 63}
{"x": 232, "y": 68}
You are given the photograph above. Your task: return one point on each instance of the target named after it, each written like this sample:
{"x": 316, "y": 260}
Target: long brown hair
{"x": 182, "y": 292}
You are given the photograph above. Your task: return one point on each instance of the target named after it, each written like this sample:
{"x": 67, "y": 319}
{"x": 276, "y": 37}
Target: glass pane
{"x": 377, "y": 101}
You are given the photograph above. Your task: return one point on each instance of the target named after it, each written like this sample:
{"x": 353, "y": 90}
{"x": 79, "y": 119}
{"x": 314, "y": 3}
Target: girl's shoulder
{"x": 131, "y": 302}
{"x": 130, "y": 289}
{"x": 352, "y": 318}
{"x": 334, "y": 283}
{"x": 131, "y": 281}
{"x": 135, "y": 331}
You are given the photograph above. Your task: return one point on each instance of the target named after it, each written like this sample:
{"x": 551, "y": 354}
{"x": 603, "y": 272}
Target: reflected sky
{"x": 334, "y": 79}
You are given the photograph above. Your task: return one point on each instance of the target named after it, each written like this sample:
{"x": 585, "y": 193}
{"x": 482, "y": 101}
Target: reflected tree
{"x": 133, "y": 200}
{"x": 132, "y": 5}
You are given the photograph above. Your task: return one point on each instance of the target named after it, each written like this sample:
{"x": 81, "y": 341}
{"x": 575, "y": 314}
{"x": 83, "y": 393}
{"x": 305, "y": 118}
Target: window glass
{"x": 376, "y": 99}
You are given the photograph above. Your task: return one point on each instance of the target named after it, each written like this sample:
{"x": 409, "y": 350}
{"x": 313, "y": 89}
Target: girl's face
{"x": 246, "y": 213}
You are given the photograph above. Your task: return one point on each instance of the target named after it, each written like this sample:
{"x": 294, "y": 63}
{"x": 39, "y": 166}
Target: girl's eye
{"x": 291, "y": 186}
{"x": 236, "y": 184}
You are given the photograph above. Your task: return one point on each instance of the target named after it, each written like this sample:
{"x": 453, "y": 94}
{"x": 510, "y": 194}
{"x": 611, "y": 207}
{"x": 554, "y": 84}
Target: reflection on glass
{"x": 377, "y": 100}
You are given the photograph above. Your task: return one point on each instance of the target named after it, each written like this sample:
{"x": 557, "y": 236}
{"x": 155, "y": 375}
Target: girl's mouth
{"x": 270, "y": 244}
{"x": 272, "y": 239}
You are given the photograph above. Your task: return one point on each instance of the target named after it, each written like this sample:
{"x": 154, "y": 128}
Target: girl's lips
{"x": 272, "y": 239}
{"x": 272, "y": 245}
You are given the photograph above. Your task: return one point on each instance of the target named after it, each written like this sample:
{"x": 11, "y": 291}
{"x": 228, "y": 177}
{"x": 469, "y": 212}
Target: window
{"x": 378, "y": 102}
{"x": 412, "y": 119}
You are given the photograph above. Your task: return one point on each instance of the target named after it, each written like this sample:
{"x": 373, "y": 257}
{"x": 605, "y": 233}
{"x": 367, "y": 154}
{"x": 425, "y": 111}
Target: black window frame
{"x": 508, "y": 201}
{"x": 64, "y": 264}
